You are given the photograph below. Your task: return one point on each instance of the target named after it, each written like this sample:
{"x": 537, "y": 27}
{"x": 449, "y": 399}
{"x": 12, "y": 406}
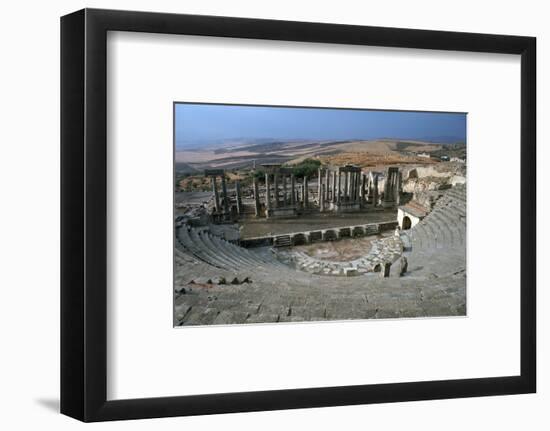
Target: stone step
{"x": 238, "y": 253}
{"x": 188, "y": 242}
{"x": 457, "y": 227}
{"x": 219, "y": 246}
{"x": 443, "y": 235}
{"x": 210, "y": 256}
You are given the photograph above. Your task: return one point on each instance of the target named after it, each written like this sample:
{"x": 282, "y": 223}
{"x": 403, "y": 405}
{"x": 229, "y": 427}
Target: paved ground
{"x": 342, "y": 250}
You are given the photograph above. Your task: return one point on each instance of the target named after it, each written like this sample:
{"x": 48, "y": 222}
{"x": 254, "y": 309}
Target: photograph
{"x": 297, "y": 214}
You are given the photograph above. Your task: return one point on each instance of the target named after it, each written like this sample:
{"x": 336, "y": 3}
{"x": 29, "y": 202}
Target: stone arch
{"x": 329, "y": 235}
{"x": 358, "y": 231}
{"x": 406, "y": 223}
{"x": 299, "y": 239}
{"x": 377, "y": 268}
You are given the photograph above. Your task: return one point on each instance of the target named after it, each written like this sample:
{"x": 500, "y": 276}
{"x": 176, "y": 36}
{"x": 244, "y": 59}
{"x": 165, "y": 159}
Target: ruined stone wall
{"x": 435, "y": 177}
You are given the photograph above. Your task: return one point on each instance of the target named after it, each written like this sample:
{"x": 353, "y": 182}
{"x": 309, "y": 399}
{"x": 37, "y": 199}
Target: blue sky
{"x": 199, "y": 124}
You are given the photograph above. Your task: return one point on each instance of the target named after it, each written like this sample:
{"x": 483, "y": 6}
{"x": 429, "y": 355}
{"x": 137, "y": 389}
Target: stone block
{"x": 350, "y": 272}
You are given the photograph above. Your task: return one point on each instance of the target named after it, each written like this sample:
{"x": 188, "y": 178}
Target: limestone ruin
{"x": 255, "y": 252}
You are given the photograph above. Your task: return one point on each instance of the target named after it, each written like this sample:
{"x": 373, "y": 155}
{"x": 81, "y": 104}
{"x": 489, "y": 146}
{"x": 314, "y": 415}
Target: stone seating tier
{"x": 434, "y": 284}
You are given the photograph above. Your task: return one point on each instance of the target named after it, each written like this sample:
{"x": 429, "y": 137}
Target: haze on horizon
{"x": 199, "y": 124}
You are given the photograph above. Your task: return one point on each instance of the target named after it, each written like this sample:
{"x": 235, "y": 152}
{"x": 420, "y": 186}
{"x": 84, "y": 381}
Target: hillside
{"x": 361, "y": 152}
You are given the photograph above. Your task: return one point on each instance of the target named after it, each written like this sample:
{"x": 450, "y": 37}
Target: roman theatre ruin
{"x": 346, "y": 243}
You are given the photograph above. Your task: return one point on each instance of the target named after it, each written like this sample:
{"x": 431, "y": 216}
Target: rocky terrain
{"x": 435, "y": 177}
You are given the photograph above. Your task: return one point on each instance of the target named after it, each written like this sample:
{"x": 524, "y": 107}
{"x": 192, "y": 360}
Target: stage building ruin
{"x": 281, "y": 196}
{"x": 340, "y": 189}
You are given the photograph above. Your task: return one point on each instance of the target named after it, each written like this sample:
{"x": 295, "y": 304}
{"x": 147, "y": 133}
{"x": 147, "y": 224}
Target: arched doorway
{"x": 406, "y": 223}
{"x": 299, "y": 239}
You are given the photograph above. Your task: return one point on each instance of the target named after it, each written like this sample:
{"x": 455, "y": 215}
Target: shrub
{"x": 306, "y": 168}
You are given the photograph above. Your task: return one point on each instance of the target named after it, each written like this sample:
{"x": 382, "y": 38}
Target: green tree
{"x": 259, "y": 174}
{"x": 306, "y": 168}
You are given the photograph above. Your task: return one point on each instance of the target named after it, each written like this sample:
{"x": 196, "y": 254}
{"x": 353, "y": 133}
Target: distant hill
{"x": 185, "y": 168}
{"x": 452, "y": 150}
{"x": 245, "y": 155}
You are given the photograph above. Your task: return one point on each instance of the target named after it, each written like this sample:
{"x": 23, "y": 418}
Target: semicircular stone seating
{"x": 439, "y": 240}
{"x": 218, "y": 252}
{"x": 218, "y": 282}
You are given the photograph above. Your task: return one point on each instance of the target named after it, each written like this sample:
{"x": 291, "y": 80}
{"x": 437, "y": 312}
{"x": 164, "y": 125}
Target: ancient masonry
{"x": 392, "y": 188}
{"x": 418, "y": 271}
{"x": 221, "y": 207}
{"x": 339, "y": 189}
{"x": 281, "y": 196}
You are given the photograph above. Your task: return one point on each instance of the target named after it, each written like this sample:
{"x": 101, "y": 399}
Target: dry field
{"x": 371, "y": 159}
{"x": 364, "y": 153}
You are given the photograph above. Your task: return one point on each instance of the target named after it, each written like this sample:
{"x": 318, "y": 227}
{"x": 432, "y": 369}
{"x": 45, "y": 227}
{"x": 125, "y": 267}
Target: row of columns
{"x": 350, "y": 185}
{"x": 221, "y": 203}
{"x": 273, "y": 189}
{"x": 224, "y": 197}
{"x": 347, "y": 184}
{"x": 344, "y": 184}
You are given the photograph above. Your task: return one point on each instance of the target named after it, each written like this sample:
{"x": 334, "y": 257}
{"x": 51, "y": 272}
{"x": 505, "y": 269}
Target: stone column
{"x": 306, "y": 193}
{"x": 339, "y": 187}
{"x": 350, "y": 186}
{"x": 370, "y": 189}
{"x": 322, "y": 198}
{"x": 333, "y": 193}
{"x": 225, "y": 197}
{"x": 319, "y": 185}
{"x": 267, "y": 197}
{"x": 353, "y": 186}
{"x": 387, "y": 186}
{"x": 369, "y": 186}
{"x": 216, "y": 196}
{"x": 394, "y": 186}
{"x": 327, "y": 184}
{"x": 375, "y": 190}
{"x": 358, "y": 185}
{"x": 275, "y": 190}
{"x": 285, "y": 197}
{"x": 346, "y": 186}
{"x": 363, "y": 187}
{"x": 238, "y": 193}
{"x": 256, "y": 197}
{"x": 292, "y": 191}
{"x": 398, "y": 188}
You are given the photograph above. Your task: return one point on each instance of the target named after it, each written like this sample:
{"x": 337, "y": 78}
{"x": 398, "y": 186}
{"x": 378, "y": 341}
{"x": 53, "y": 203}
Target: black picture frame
{"x": 84, "y": 214}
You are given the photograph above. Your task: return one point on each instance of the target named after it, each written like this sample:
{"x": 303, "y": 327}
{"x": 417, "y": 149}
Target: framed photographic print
{"x": 262, "y": 215}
